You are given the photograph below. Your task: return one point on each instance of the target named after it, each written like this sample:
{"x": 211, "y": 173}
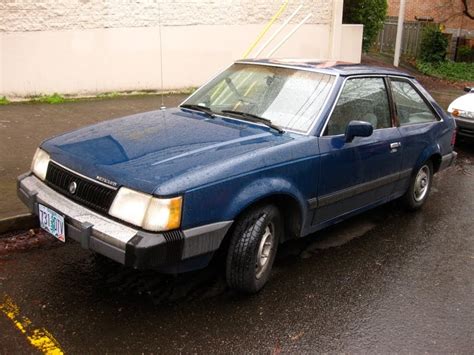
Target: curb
{"x": 18, "y": 222}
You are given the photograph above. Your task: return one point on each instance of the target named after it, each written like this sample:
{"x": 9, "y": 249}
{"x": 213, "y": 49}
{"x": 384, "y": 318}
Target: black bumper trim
{"x": 448, "y": 160}
{"x": 171, "y": 251}
{"x": 150, "y": 251}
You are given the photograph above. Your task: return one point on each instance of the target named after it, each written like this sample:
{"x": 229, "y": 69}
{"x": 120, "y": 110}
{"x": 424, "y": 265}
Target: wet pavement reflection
{"x": 387, "y": 280}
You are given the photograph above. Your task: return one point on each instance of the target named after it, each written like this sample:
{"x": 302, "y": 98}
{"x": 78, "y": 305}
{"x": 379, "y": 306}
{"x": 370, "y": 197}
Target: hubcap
{"x": 422, "y": 181}
{"x": 264, "y": 251}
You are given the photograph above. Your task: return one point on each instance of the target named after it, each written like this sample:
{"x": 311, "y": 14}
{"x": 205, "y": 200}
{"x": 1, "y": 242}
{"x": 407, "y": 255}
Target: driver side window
{"x": 361, "y": 99}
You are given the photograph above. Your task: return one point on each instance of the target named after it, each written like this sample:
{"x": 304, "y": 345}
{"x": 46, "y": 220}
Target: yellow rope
{"x": 266, "y": 28}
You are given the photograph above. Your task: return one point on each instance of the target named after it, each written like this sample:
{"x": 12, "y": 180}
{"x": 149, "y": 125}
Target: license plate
{"x": 52, "y": 222}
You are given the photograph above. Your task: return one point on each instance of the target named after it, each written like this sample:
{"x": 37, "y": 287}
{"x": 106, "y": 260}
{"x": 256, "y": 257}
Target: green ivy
{"x": 370, "y": 13}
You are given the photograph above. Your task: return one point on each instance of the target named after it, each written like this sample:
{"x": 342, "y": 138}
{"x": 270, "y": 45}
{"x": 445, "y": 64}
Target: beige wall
{"x": 73, "y": 57}
{"x": 351, "y": 43}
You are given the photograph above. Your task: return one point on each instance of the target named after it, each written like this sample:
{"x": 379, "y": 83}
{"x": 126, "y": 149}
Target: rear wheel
{"x": 253, "y": 246}
{"x": 420, "y": 186}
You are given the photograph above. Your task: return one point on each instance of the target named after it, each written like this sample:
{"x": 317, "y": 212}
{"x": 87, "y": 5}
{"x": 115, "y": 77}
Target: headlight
{"x": 463, "y": 113}
{"x": 39, "y": 166}
{"x": 143, "y": 210}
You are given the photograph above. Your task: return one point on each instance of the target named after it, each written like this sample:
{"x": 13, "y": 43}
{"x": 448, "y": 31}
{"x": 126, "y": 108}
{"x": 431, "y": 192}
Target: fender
{"x": 261, "y": 189}
{"x": 428, "y": 152}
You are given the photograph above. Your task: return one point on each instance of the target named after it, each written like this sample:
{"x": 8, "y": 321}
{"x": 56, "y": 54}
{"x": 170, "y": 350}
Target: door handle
{"x": 395, "y": 145}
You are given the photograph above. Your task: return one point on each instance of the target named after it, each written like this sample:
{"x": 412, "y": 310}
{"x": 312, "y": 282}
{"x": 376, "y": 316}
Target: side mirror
{"x": 358, "y": 129}
{"x": 468, "y": 89}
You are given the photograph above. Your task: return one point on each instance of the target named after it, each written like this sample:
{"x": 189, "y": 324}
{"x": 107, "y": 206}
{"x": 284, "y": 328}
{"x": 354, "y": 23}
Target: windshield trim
{"x": 315, "y": 121}
{"x": 327, "y": 71}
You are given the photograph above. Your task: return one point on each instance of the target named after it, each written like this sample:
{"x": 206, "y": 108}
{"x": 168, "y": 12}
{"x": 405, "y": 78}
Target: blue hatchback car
{"x": 266, "y": 151}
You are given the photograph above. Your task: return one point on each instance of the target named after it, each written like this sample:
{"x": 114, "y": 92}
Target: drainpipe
{"x": 398, "y": 42}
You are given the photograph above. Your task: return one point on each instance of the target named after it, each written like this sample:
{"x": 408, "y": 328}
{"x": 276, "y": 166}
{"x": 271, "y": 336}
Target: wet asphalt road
{"x": 387, "y": 280}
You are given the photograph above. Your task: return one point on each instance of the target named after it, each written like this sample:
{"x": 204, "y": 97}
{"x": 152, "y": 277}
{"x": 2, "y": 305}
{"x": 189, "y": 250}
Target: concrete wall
{"x": 82, "y": 47}
{"x": 351, "y": 43}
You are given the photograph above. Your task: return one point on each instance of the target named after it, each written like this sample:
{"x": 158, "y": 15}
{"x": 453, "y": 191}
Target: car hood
{"x": 145, "y": 151}
{"x": 465, "y": 103}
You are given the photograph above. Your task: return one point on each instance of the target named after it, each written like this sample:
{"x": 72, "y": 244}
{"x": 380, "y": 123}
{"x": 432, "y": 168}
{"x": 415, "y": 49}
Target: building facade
{"x": 83, "y": 47}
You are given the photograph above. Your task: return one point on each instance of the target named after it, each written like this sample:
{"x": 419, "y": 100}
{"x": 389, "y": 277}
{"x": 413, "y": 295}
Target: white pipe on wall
{"x": 289, "y": 35}
{"x": 272, "y": 37}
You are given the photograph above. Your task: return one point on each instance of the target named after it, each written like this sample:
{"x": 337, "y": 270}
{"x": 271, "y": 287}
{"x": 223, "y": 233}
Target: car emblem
{"x": 106, "y": 181}
{"x": 72, "y": 187}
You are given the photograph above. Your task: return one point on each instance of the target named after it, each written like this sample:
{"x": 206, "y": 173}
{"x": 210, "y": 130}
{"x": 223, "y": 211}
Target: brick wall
{"x": 43, "y": 15}
{"x": 447, "y": 12}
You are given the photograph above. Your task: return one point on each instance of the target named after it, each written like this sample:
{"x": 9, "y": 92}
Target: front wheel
{"x": 420, "y": 186}
{"x": 253, "y": 246}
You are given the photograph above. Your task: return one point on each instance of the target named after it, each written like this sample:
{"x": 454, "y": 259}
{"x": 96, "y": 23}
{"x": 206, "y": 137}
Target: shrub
{"x": 433, "y": 45}
{"x": 370, "y": 13}
{"x": 4, "y": 101}
{"x": 465, "y": 54}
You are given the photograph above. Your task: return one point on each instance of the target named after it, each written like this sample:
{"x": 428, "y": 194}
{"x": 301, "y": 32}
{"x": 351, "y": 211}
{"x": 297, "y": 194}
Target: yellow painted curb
{"x": 40, "y": 338}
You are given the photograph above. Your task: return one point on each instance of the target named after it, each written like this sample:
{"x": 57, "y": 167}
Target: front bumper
{"x": 465, "y": 127}
{"x": 172, "y": 251}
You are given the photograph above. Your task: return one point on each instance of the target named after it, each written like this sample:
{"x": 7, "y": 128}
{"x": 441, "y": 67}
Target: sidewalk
{"x": 23, "y": 126}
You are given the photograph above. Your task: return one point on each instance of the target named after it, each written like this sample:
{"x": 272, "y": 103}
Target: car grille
{"x": 88, "y": 193}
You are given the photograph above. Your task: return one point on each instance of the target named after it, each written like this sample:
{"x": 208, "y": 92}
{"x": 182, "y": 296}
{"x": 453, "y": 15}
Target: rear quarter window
{"x": 411, "y": 106}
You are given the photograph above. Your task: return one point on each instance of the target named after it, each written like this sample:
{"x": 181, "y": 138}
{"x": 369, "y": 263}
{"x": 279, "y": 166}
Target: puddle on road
{"x": 340, "y": 236}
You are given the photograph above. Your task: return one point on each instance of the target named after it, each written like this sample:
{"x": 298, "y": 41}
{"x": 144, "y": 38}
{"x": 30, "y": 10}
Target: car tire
{"x": 253, "y": 245}
{"x": 420, "y": 186}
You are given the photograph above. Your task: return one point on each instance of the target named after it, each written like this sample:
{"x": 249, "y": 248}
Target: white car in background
{"x": 463, "y": 111}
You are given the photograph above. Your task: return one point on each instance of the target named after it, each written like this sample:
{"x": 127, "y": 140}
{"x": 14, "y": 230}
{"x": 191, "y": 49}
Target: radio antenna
{"x": 163, "y": 107}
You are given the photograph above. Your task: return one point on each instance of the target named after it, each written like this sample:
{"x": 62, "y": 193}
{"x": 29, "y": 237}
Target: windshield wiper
{"x": 254, "y": 118}
{"x": 200, "y": 108}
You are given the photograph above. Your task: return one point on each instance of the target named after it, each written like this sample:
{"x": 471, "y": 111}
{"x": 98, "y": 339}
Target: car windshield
{"x": 291, "y": 99}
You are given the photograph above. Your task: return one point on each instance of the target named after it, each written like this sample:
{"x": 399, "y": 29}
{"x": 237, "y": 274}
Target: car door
{"x": 357, "y": 174}
{"x": 417, "y": 123}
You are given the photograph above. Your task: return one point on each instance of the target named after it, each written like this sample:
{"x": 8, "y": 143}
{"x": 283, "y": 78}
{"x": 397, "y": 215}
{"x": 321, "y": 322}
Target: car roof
{"x": 329, "y": 67}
